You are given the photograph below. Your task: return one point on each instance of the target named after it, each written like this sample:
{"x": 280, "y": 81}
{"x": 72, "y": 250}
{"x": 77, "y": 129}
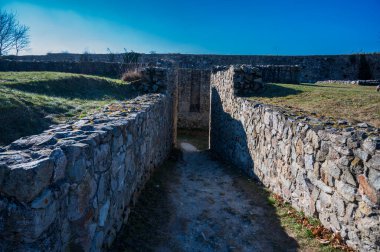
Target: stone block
{"x": 26, "y": 180}
{"x": 367, "y": 189}
{"x": 374, "y": 162}
{"x": 60, "y": 162}
{"x": 347, "y": 191}
{"x": 45, "y": 199}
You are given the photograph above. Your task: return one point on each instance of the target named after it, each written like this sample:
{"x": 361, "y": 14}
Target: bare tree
{"x": 21, "y": 38}
{"x": 12, "y": 34}
{"x": 7, "y": 25}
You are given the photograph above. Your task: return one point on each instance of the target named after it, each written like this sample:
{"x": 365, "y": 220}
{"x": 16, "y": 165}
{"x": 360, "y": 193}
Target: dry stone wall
{"x": 312, "y": 68}
{"x": 71, "y": 187}
{"x": 331, "y": 173}
{"x": 280, "y": 73}
{"x": 113, "y": 70}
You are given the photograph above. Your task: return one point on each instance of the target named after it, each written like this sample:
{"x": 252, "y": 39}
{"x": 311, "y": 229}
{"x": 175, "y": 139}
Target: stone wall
{"x": 326, "y": 172}
{"x": 312, "y": 68}
{"x": 193, "y": 98}
{"x": 71, "y": 187}
{"x": 280, "y": 73}
{"x": 113, "y": 70}
{"x": 352, "y": 82}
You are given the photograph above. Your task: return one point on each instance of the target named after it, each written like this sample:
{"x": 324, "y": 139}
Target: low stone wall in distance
{"x": 330, "y": 173}
{"x": 71, "y": 187}
{"x": 113, "y": 70}
{"x": 352, "y": 82}
{"x": 280, "y": 73}
{"x": 313, "y": 67}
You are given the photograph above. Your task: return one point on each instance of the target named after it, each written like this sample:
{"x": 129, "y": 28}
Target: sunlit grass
{"x": 31, "y": 101}
{"x": 338, "y": 101}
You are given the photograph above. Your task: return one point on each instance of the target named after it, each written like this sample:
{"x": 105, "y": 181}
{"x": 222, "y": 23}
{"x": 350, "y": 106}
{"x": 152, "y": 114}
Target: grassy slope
{"x": 31, "y": 101}
{"x": 339, "y": 101}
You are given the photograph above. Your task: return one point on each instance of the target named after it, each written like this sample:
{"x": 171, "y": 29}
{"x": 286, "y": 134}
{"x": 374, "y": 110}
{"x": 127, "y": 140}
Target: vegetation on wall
{"x": 85, "y": 57}
{"x": 130, "y": 57}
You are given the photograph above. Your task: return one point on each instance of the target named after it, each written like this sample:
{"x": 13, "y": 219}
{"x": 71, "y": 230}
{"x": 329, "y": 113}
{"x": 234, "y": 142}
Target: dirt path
{"x": 199, "y": 204}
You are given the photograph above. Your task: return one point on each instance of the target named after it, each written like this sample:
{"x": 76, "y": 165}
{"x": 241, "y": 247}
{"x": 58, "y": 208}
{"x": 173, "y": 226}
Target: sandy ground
{"x": 197, "y": 203}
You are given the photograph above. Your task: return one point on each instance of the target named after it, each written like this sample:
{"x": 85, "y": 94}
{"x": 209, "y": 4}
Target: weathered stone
{"x": 325, "y": 200}
{"x": 374, "y": 181}
{"x": 374, "y": 162}
{"x": 350, "y": 212}
{"x": 363, "y": 155}
{"x": 309, "y": 162}
{"x": 312, "y": 137}
{"x": 43, "y": 200}
{"x": 357, "y": 166}
{"x": 348, "y": 178}
{"x": 38, "y": 140}
{"x": 364, "y": 209}
{"x": 103, "y": 213}
{"x": 26, "y": 181}
{"x": 362, "y": 125}
{"x": 331, "y": 168}
{"x": 323, "y": 152}
{"x": 367, "y": 189}
{"x": 370, "y": 145}
{"x": 77, "y": 170}
{"x": 338, "y": 204}
{"x": 60, "y": 162}
{"x": 348, "y": 192}
{"x": 334, "y": 222}
{"x": 374, "y": 178}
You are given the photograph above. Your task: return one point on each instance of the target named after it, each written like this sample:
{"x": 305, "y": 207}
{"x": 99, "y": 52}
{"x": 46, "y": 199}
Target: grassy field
{"x": 338, "y": 101}
{"x": 31, "y": 101}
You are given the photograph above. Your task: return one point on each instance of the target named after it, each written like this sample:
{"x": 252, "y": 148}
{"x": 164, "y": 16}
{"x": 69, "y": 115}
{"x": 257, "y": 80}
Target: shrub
{"x": 130, "y": 76}
{"x": 130, "y": 57}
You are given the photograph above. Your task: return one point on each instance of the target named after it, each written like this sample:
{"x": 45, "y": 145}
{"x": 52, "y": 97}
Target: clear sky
{"x": 284, "y": 27}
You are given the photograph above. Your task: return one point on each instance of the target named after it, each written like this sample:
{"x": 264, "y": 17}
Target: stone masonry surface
{"x": 193, "y": 98}
{"x": 71, "y": 187}
{"x": 326, "y": 172}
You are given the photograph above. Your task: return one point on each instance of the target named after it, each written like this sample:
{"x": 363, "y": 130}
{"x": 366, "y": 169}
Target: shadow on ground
{"x": 272, "y": 90}
{"x": 196, "y": 203}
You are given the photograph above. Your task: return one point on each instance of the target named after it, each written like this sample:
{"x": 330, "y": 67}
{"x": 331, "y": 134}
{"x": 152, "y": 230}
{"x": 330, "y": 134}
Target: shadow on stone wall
{"x": 229, "y": 130}
{"x": 226, "y": 129}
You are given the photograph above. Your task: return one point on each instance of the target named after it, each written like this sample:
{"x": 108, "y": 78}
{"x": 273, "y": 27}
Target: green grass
{"x": 303, "y": 235}
{"x": 338, "y": 101}
{"x": 31, "y": 101}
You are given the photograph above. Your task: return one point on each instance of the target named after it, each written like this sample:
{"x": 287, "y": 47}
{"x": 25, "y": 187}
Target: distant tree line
{"x": 13, "y": 35}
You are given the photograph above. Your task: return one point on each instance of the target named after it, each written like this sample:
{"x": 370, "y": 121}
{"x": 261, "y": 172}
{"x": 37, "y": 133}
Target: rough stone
{"x": 320, "y": 167}
{"x": 374, "y": 162}
{"x": 60, "y": 197}
{"x": 365, "y": 188}
{"x": 347, "y": 191}
{"x": 26, "y": 181}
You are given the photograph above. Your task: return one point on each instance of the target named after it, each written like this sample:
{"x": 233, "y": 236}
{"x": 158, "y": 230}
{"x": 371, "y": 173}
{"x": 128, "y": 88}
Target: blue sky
{"x": 284, "y": 27}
